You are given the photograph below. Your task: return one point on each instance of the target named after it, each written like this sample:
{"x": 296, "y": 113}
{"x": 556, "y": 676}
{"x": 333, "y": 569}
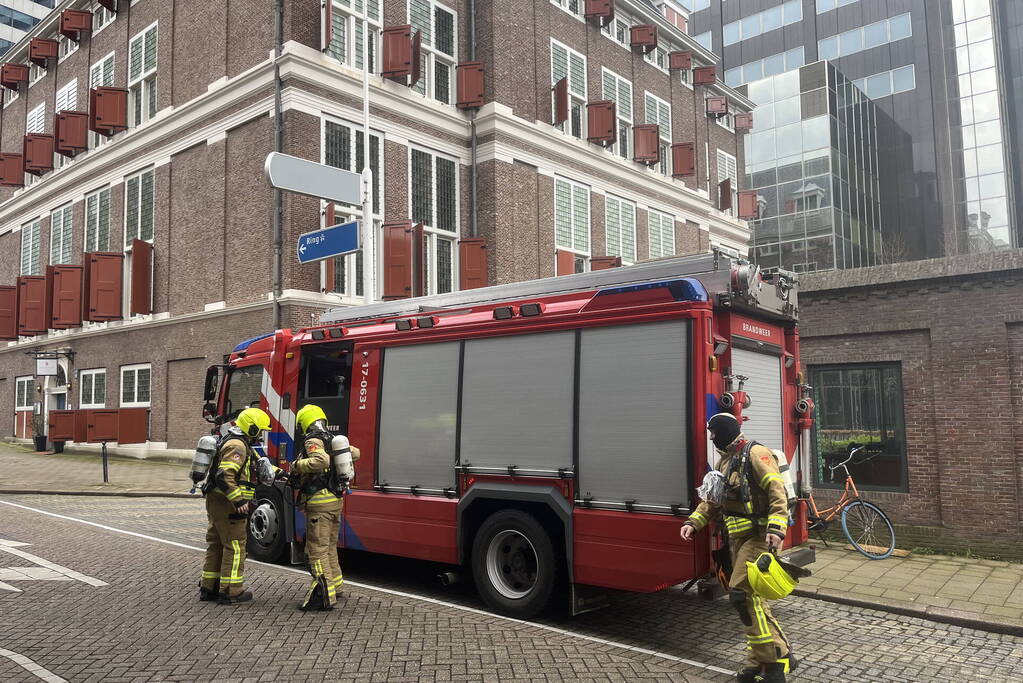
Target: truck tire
{"x": 514, "y": 564}
{"x": 267, "y": 537}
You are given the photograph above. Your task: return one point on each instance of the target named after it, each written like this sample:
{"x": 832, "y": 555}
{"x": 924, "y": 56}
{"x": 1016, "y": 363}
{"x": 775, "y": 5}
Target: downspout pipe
{"x": 278, "y": 200}
{"x": 474, "y": 229}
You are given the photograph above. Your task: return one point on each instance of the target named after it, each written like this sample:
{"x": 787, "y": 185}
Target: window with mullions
{"x": 658, "y": 111}
{"x": 434, "y": 198}
{"x": 142, "y": 54}
{"x": 25, "y": 393}
{"x": 573, "y": 7}
{"x": 436, "y": 23}
{"x": 135, "y": 385}
{"x": 660, "y": 233}
{"x": 619, "y": 90}
{"x": 60, "y": 235}
{"x": 31, "y": 245}
{"x": 92, "y": 386}
{"x": 618, "y": 31}
{"x": 97, "y": 221}
{"x": 347, "y": 41}
{"x": 860, "y": 404}
{"x": 566, "y": 62}
{"x": 101, "y": 74}
{"x": 727, "y": 171}
{"x": 620, "y": 224}
{"x": 572, "y": 217}
{"x": 140, "y": 198}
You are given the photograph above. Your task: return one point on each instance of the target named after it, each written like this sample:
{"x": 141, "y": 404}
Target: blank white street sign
{"x": 306, "y": 177}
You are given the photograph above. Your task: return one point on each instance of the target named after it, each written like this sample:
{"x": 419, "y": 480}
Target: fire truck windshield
{"x": 242, "y": 390}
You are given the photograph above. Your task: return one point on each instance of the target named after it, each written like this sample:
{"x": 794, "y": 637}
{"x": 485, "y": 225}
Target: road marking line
{"x": 30, "y": 666}
{"x": 70, "y": 573}
{"x": 413, "y": 596}
{"x": 8, "y": 587}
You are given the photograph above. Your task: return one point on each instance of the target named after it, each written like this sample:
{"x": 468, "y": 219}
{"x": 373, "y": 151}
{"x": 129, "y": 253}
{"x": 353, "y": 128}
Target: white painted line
{"x": 30, "y": 666}
{"x": 70, "y": 573}
{"x": 412, "y": 596}
{"x": 8, "y": 587}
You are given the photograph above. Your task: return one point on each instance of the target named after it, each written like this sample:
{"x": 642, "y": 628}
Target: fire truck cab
{"x": 546, "y": 436}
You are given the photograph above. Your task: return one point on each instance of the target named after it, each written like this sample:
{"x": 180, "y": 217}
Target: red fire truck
{"x": 547, "y": 436}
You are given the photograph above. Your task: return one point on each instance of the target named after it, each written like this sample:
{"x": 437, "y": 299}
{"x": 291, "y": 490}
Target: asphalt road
{"x": 396, "y": 622}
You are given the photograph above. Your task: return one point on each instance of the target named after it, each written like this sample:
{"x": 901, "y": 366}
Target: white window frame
{"x": 95, "y": 139}
{"x": 566, "y": 7}
{"x": 31, "y": 233}
{"x": 29, "y": 382}
{"x": 664, "y": 131}
{"x": 727, "y": 122}
{"x": 577, "y": 249}
{"x": 352, "y": 21}
{"x": 62, "y": 97}
{"x": 62, "y": 235}
{"x": 574, "y": 98}
{"x": 431, "y": 55}
{"x": 10, "y": 96}
{"x": 138, "y": 235}
{"x": 82, "y": 374}
{"x": 685, "y": 76}
{"x": 617, "y": 247}
{"x": 652, "y": 57}
{"x": 622, "y": 23}
{"x": 101, "y": 18}
{"x": 65, "y": 47}
{"x": 135, "y": 394}
{"x": 432, "y": 234}
{"x": 35, "y": 73}
{"x": 91, "y": 242}
{"x": 623, "y": 146}
{"x": 662, "y": 217}
{"x": 35, "y": 121}
{"x": 142, "y": 86}
{"x": 733, "y": 176}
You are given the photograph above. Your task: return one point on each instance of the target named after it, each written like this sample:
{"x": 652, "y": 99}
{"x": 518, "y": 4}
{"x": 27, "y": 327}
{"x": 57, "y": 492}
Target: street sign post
{"x": 290, "y": 173}
{"x": 336, "y": 240}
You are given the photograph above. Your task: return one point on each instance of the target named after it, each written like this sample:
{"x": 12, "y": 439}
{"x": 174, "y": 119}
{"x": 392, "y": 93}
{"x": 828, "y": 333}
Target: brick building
{"x": 184, "y": 96}
{"x": 926, "y": 358}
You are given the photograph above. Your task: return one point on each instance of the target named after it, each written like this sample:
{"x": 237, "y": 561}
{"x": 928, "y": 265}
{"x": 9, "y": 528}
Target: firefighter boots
{"x": 209, "y": 594}
{"x": 747, "y": 676}
{"x": 773, "y": 673}
{"x": 226, "y": 599}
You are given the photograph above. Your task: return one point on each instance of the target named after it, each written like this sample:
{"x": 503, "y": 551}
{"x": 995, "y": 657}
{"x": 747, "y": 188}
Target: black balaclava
{"x": 726, "y": 429}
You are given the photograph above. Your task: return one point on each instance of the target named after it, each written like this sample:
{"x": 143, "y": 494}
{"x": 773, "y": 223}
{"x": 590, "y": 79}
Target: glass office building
{"x": 948, "y": 72}
{"x": 17, "y": 17}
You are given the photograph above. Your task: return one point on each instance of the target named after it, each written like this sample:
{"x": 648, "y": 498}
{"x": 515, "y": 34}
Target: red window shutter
{"x": 683, "y": 159}
{"x": 12, "y": 170}
{"x": 472, "y": 260}
{"x": 61, "y": 425}
{"x": 64, "y": 287}
{"x": 417, "y": 58}
{"x": 647, "y": 143}
{"x": 602, "y": 126}
{"x": 602, "y": 10}
{"x": 132, "y": 425}
{"x": 71, "y": 132}
{"x": 104, "y": 272}
{"x": 326, "y": 23}
{"x": 38, "y": 153}
{"x": 82, "y": 426}
{"x": 141, "y": 277}
{"x": 704, "y": 75}
{"x": 680, "y": 61}
{"x": 566, "y": 262}
{"x": 108, "y": 110}
{"x": 397, "y": 260}
{"x": 560, "y": 101}
{"x": 8, "y": 313}
{"x": 748, "y": 204}
{"x": 717, "y": 106}
{"x": 396, "y": 52}
{"x": 605, "y": 262}
{"x": 644, "y": 37}
{"x": 32, "y": 314}
{"x": 725, "y": 194}
{"x": 11, "y": 75}
{"x": 73, "y": 22}
{"x": 744, "y": 121}
{"x": 418, "y": 261}
{"x": 110, "y": 5}
{"x": 41, "y": 49}
{"x": 470, "y": 85}
{"x": 102, "y": 426}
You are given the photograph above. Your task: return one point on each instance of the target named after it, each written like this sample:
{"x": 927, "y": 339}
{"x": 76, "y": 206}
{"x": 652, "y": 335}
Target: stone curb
{"x": 123, "y": 494}
{"x": 941, "y": 615}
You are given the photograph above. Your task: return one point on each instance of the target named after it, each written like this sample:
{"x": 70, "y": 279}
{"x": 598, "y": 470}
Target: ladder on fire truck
{"x": 729, "y": 282}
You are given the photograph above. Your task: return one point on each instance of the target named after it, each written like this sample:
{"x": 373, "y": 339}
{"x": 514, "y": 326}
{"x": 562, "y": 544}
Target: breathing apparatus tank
{"x": 265, "y": 471}
{"x": 204, "y": 452}
{"x": 342, "y": 470}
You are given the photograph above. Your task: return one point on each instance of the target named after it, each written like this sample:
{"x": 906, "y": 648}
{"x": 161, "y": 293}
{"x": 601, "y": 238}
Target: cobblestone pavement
{"x": 835, "y": 642}
{"x": 24, "y": 469}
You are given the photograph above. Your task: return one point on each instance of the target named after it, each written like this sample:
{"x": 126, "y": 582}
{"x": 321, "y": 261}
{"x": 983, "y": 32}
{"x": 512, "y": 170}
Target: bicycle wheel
{"x": 868, "y": 529}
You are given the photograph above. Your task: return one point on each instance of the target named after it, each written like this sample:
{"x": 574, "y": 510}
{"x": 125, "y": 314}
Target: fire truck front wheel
{"x": 513, "y": 564}
{"x": 266, "y": 526}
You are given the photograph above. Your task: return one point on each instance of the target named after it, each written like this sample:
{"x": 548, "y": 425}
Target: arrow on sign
{"x": 328, "y": 242}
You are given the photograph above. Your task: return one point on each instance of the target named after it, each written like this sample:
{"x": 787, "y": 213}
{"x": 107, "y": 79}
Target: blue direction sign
{"x": 328, "y": 242}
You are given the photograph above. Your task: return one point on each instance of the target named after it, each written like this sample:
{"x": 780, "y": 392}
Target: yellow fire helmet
{"x": 768, "y": 578}
{"x": 252, "y": 421}
{"x": 309, "y": 414}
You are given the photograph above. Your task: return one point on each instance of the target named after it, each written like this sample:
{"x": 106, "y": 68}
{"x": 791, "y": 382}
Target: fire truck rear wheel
{"x": 266, "y": 526}
{"x": 514, "y": 564}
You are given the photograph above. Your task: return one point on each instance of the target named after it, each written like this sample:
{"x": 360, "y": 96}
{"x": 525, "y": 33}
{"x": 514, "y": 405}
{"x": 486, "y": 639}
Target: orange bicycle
{"x": 865, "y": 525}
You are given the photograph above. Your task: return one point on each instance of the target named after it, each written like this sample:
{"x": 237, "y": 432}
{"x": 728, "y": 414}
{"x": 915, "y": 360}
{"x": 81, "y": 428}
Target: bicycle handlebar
{"x": 844, "y": 462}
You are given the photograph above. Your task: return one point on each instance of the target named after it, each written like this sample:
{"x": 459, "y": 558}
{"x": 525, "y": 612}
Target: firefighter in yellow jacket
{"x": 320, "y": 485}
{"x": 754, "y": 503}
{"x": 228, "y": 502}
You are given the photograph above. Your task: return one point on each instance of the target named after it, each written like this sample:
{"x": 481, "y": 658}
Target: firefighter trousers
{"x": 225, "y": 546}
{"x": 765, "y": 639}
{"x": 323, "y": 523}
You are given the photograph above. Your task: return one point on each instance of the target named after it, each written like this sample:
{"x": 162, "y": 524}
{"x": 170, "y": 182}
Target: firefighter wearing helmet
{"x": 321, "y": 473}
{"x": 749, "y": 491}
{"x": 229, "y": 490}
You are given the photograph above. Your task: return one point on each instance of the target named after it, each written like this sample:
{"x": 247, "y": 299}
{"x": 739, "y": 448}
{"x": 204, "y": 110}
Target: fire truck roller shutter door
{"x": 766, "y": 421}
{"x": 418, "y": 412}
{"x": 633, "y": 413}
{"x": 517, "y": 395}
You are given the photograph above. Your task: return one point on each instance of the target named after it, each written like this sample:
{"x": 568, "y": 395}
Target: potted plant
{"x": 39, "y": 432}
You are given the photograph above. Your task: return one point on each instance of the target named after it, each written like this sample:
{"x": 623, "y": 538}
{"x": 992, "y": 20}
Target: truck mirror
{"x": 209, "y": 413}
{"x": 210, "y": 390}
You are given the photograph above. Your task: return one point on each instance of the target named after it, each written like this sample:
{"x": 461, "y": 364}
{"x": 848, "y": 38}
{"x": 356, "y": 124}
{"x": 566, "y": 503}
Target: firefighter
{"x": 317, "y": 475}
{"x": 229, "y": 492}
{"x": 751, "y": 495}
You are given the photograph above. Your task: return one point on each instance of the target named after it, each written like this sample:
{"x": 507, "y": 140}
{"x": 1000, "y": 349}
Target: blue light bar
{"x": 248, "y": 342}
{"x": 683, "y": 289}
